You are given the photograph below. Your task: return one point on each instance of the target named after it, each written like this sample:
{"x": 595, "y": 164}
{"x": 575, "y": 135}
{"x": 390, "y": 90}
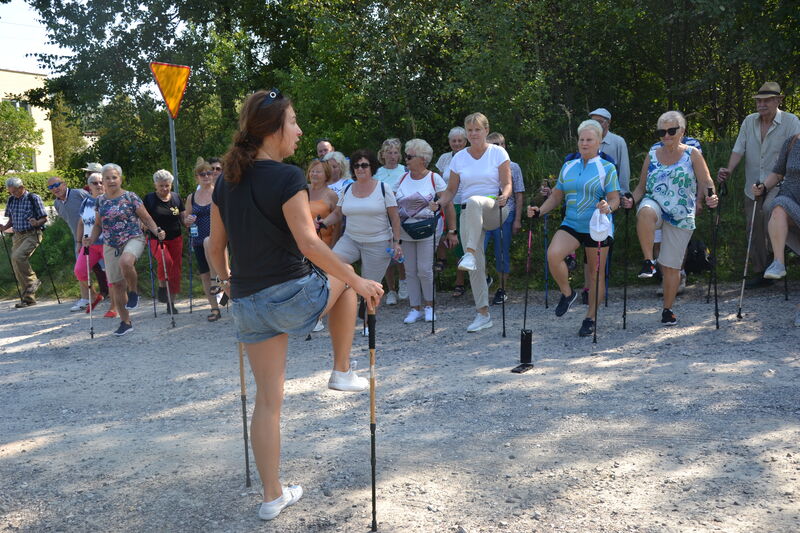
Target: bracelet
{"x": 226, "y": 281}
{"x": 452, "y": 231}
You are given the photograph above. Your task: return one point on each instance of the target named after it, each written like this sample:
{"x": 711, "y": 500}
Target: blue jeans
{"x": 291, "y": 307}
{"x": 502, "y": 262}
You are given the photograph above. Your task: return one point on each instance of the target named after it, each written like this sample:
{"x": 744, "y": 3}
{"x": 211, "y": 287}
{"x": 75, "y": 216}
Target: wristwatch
{"x": 452, "y": 232}
{"x": 226, "y": 281}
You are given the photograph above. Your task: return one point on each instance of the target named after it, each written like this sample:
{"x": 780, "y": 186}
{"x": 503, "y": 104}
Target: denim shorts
{"x": 291, "y": 307}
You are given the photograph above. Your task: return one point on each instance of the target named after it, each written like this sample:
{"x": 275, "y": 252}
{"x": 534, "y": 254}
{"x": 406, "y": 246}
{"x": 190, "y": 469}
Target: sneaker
{"x": 270, "y": 510}
{"x": 758, "y": 281}
{"x": 499, "y": 297}
{"x": 319, "y": 327}
{"x": 429, "y": 314}
{"x": 347, "y": 381}
{"x": 648, "y": 269}
{"x": 571, "y": 262}
{"x": 110, "y": 314}
{"x": 80, "y": 305}
{"x": 480, "y": 322}
{"x": 587, "y": 328}
{"x": 24, "y": 303}
{"x": 565, "y": 303}
{"x": 99, "y": 298}
{"x": 467, "y": 262}
{"x": 585, "y": 296}
{"x": 668, "y": 318}
{"x": 123, "y": 329}
{"x": 133, "y": 300}
{"x": 412, "y": 316}
{"x": 402, "y": 289}
{"x": 391, "y": 298}
{"x": 775, "y": 271}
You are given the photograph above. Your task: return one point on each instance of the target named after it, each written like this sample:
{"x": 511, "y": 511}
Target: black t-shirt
{"x": 263, "y": 251}
{"x": 167, "y": 215}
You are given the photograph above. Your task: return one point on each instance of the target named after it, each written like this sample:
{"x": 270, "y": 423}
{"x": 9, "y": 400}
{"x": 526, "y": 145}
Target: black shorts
{"x": 202, "y": 263}
{"x": 585, "y": 240}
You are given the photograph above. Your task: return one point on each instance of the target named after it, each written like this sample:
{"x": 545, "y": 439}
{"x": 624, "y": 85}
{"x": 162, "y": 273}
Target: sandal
{"x": 459, "y": 290}
{"x": 439, "y": 265}
{"x": 215, "y": 315}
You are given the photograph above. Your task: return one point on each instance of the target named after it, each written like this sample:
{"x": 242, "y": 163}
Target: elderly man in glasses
{"x": 760, "y": 139}
{"x": 26, "y": 214}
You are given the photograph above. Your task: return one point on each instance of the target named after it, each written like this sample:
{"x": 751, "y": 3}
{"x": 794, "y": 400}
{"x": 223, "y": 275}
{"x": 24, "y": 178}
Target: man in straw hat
{"x": 760, "y": 139}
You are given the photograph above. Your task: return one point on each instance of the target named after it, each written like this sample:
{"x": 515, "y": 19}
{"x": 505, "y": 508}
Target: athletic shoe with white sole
{"x": 123, "y": 329}
{"x": 402, "y": 289}
{"x": 391, "y": 298}
{"x": 347, "y": 381}
{"x": 270, "y": 510}
{"x": 480, "y": 322}
{"x": 648, "y": 269}
{"x": 587, "y": 328}
{"x": 412, "y": 316}
{"x": 467, "y": 263}
{"x": 133, "y": 301}
{"x": 80, "y": 305}
{"x": 775, "y": 271}
{"x": 565, "y": 303}
{"x": 429, "y": 314}
{"x": 668, "y": 318}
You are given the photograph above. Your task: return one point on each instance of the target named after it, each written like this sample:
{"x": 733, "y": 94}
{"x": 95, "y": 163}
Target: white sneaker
{"x": 775, "y": 271}
{"x": 270, "y": 510}
{"x": 429, "y": 316}
{"x": 467, "y": 262}
{"x": 80, "y": 305}
{"x": 480, "y": 322}
{"x": 402, "y": 289}
{"x": 391, "y": 298}
{"x": 412, "y": 316}
{"x": 319, "y": 327}
{"x": 347, "y": 381}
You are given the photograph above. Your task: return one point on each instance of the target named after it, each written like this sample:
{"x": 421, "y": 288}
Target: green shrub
{"x": 36, "y": 182}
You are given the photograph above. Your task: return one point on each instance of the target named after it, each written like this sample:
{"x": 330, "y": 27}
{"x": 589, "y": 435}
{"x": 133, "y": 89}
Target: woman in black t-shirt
{"x": 260, "y": 209}
{"x": 167, "y": 210}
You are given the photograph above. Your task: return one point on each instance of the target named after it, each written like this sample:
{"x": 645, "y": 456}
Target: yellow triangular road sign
{"x": 171, "y": 80}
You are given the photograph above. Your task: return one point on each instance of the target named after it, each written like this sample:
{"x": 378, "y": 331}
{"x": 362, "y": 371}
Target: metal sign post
{"x": 171, "y": 81}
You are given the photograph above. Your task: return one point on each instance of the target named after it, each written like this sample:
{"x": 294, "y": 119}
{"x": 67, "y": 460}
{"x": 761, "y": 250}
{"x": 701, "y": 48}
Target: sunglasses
{"x": 270, "y": 98}
{"x": 670, "y": 131}
{"x": 409, "y": 157}
{"x": 361, "y": 165}
{"x": 55, "y": 185}
{"x": 216, "y": 169}
{"x": 207, "y": 173}
{"x": 95, "y": 183}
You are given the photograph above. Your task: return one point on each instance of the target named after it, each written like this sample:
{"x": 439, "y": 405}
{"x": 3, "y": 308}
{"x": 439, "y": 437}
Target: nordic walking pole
{"x": 502, "y": 278}
{"x": 526, "y": 335}
{"x": 152, "y": 282}
{"x": 166, "y": 283}
{"x": 722, "y": 191}
{"x": 11, "y": 266}
{"x": 747, "y": 255}
{"x": 91, "y": 301}
{"x": 243, "y": 395}
{"x": 372, "y": 423}
{"x": 596, "y": 293}
{"x": 710, "y": 192}
{"x": 625, "y": 267}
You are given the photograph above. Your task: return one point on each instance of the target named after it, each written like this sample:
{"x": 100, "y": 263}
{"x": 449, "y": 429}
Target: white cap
{"x": 600, "y": 226}
{"x": 603, "y": 112}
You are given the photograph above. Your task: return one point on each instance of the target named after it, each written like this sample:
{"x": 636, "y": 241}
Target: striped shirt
{"x": 19, "y": 210}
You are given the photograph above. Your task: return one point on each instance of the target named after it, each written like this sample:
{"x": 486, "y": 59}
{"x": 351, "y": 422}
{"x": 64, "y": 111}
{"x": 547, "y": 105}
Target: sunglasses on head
{"x": 361, "y": 165}
{"x": 272, "y": 95}
{"x": 670, "y": 131}
{"x": 55, "y": 185}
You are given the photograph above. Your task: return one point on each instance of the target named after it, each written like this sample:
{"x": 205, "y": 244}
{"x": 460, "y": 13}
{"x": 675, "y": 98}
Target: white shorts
{"x": 674, "y": 240}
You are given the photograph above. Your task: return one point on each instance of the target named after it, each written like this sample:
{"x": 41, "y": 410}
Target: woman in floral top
{"x": 666, "y": 196}
{"x": 118, "y": 215}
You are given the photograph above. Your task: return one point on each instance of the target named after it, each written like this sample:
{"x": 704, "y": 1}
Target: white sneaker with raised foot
{"x": 412, "y": 316}
{"x": 402, "y": 289}
{"x": 467, "y": 262}
{"x": 270, "y": 510}
{"x": 429, "y": 316}
{"x": 480, "y": 322}
{"x": 80, "y": 305}
{"x": 391, "y": 298}
{"x": 347, "y": 381}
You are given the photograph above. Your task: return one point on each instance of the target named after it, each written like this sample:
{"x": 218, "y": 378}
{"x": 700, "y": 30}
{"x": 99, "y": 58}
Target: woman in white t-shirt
{"x": 373, "y": 226}
{"x": 415, "y": 191}
{"x": 484, "y": 173}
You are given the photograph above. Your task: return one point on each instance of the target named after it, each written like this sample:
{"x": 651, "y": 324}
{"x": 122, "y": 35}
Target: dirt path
{"x": 651, "y": 430}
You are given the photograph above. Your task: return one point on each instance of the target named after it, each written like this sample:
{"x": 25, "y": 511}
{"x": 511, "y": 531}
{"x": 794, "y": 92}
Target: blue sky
{"x": 21, "y": 34}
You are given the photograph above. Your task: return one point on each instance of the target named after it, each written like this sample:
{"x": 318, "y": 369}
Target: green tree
{"x": 18, "y": 138}
{"x": 67, "y": 136}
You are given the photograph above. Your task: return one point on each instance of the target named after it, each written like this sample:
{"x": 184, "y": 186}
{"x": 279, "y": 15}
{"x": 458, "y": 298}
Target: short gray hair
{"x": 672, "y": 116}
{"x": 591, "y": 124}
{"x": 93, "y": 175}
{"x": 420, "y": 148}
{"x": 458, "y": 130}
{"x": 163, "y": 175}
{"x": 13, "y": 182}
{"x": 339, "y": 158}
{"x": 111, "y": 166}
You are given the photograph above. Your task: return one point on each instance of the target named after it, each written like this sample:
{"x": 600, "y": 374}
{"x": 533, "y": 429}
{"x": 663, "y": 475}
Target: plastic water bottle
{"x": 193, "y": 230}
{"x": 399, "y": 257}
